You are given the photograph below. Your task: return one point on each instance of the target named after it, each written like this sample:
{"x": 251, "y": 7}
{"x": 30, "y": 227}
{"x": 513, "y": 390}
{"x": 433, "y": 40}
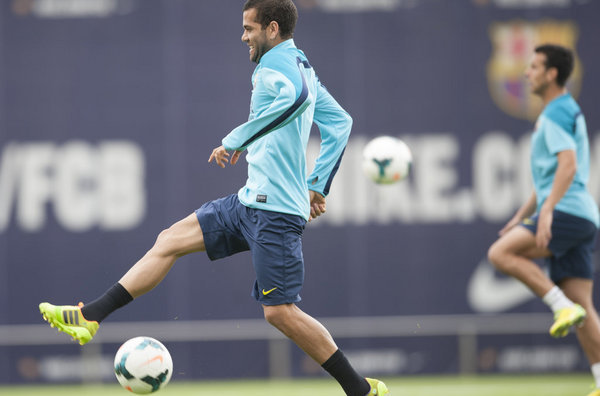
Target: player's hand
{"x": 317, "y": 205}
{"x": 544, "y": 228}
{"x": 221, "y": 156}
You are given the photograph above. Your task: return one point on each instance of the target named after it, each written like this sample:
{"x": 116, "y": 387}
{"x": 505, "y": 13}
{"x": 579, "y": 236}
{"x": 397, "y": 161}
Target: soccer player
{"x": 560, "y": 220}
{"x": 268, "y": 215}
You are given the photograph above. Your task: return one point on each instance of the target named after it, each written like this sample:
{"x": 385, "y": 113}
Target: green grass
{"x": 555, "y": 385}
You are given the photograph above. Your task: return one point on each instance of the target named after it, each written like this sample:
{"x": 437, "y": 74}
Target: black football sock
{"x": 339, "y": 367}
{"x": 114, "y": 298}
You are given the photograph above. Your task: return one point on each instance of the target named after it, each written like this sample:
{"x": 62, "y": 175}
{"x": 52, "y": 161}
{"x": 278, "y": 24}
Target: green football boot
{"x": 377, "y": 387}
{"x": 565, "y": 318}
{"x": 68, "y": 319}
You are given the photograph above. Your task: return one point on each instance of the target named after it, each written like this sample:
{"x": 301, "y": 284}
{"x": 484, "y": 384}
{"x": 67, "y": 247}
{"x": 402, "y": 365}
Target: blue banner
{"x": 109, "y": 110}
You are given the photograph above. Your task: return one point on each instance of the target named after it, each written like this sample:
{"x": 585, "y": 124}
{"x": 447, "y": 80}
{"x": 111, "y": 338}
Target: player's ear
{"x": 273, "y": 30}
{"x": 552, "y": 73}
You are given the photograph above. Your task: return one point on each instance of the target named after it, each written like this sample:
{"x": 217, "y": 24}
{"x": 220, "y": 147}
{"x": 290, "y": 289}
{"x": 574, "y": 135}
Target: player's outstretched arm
{"x": 334, "y": 126}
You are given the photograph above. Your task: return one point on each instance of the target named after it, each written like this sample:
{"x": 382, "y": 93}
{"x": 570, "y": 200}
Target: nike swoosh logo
{"x": 157, "y": 357}
{"x": 486, "y": 292}
{"x": 267, "y": 291}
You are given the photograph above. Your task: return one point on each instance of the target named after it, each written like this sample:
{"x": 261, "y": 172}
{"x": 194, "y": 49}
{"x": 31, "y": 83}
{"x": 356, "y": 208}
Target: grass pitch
{"x": 555, "y": 385}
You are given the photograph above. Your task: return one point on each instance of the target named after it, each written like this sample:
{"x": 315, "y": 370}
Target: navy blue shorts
{"x": 274, "y": 240}
{"x": 572, "y": 246}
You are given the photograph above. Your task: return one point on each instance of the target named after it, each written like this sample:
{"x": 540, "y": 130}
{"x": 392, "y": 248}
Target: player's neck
{"x": 553, "y": 92}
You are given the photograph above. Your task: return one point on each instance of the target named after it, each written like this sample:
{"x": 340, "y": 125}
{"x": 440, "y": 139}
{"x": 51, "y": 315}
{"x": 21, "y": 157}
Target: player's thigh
{"x": 183, "y": 237}
{"x": 519, "y": 241}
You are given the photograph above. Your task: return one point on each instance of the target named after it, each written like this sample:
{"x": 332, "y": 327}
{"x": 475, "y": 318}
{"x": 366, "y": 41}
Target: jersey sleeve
{"x": 285, "y": 104}
{"x": 334, "y": 125}
{"x": 557, "y": 138}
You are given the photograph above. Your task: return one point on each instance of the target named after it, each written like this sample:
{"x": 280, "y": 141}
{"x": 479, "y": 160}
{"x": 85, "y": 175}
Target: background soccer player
{"x": 564, "y": 217}
{"x": 268, "y": 215}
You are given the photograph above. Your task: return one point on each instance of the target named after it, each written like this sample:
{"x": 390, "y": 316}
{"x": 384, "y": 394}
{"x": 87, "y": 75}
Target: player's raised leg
{"x": 82, "y": 321}
{"x": 513, "y": 254}
{"x": 182, "y": 238}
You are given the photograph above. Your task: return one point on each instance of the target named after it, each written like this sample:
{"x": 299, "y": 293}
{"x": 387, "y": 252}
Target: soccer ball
{"x": 386, "y": 160}
{"x": 143, "y": 365}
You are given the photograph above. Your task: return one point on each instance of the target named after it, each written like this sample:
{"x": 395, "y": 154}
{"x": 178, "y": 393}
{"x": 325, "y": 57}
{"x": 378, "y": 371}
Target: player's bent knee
{"x": 497, "y": 257}
{"x": 166, "y": 243}
{"x": 492, "y": 254}
{"x": 162, "y": 236}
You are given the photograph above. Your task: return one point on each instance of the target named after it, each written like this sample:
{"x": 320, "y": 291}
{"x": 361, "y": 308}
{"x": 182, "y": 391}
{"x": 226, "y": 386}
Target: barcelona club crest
{"x": 513, "y": 43}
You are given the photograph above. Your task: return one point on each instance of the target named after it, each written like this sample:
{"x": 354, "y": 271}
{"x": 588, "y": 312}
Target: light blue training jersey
{"x": 561, "y": 126}
{"x": 286, "y": 98}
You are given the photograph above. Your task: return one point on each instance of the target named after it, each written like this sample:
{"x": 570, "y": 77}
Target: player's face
{"x": 537, "y": 74}
{"x": 254, "y": 35}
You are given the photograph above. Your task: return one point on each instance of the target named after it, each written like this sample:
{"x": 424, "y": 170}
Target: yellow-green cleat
{"x": 565, "y": 318}
{"x": 377, "y": 387}
{"x": 595, "y": 392}
{"x": 68, "y": 319}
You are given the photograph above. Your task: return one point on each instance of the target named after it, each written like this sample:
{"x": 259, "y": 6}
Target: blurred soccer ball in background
{"x": 143, "y": 365}
{"x": 386, "y": 160}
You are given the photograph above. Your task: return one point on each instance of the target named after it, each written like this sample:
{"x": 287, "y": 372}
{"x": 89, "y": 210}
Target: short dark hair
{"x": 283, "y": 12}
{"x": 560, "y": 58}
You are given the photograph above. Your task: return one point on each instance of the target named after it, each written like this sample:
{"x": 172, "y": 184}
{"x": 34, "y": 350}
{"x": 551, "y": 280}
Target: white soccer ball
{"x": 386, "y": 160}
{"x": 143, "y": 365}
